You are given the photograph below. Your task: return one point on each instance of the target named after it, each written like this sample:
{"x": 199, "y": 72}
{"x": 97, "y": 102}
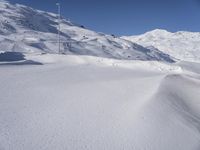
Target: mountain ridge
{"x": 183, "y": 45}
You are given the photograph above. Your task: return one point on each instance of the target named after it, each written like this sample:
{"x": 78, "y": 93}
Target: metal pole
{"x": 59, "y": 20}
{"x": 1, "y": 24}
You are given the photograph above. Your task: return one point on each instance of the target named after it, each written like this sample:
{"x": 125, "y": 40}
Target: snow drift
{"x": 85, "y": 102}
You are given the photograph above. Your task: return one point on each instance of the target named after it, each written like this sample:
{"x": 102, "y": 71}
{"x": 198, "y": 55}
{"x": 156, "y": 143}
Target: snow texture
{"x": 85, "y": 102}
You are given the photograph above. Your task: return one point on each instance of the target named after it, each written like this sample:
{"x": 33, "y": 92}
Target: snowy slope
{"x": 181, "y": 45}
{"x": 27, "y": 30}
{"x": 86, "y": 103}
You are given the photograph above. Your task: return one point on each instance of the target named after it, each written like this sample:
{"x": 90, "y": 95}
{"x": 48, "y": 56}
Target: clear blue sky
{"x": 126, "y": 17}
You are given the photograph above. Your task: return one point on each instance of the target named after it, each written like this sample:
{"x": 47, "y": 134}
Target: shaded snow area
{"x": 11, "y": 56}
{"x": 15, "y": 58}
{"x": 87, "y": 103}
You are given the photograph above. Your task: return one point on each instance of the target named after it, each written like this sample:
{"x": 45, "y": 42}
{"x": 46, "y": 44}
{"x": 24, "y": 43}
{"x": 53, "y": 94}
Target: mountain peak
{"x": 158, "y": 32}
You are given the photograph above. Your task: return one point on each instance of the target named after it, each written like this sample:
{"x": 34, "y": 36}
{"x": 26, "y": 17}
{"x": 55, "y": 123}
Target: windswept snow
{"x": 181, "y": 45}
{"x": 85, "y": 102}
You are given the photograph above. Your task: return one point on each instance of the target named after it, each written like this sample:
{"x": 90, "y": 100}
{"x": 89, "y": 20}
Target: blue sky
{"x": 126, "y": 17}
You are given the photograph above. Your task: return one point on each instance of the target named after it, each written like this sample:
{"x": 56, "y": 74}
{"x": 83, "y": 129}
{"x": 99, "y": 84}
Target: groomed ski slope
{"x": 87, "y": 103}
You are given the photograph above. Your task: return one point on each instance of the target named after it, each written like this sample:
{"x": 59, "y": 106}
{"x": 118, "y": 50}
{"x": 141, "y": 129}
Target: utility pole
{"x": 59, "y": 21}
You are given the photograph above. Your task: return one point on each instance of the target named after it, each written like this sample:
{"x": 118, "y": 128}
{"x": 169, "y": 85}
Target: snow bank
{"x": 105, "y": 62}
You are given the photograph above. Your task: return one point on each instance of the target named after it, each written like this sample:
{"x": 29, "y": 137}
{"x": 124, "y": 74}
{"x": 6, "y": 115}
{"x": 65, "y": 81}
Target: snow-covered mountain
{"x": 181, "y": 45}
{"x": 24, "y": 29}
{"x": 77, "y": 102}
